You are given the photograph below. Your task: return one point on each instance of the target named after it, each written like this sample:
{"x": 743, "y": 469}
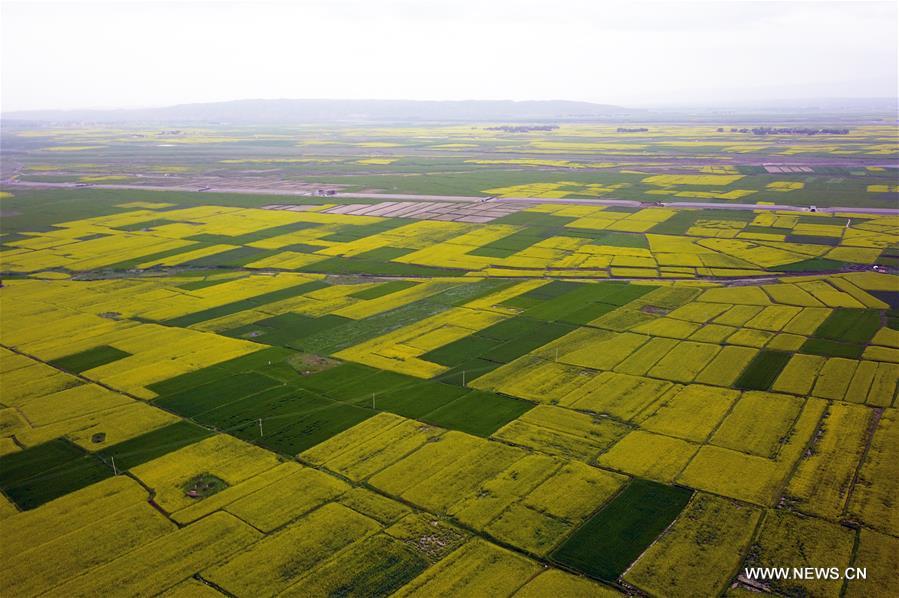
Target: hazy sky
{"x": 129, "y": 53}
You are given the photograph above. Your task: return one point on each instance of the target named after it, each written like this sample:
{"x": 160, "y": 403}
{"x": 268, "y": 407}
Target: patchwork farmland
{"x": 537, "y": 375}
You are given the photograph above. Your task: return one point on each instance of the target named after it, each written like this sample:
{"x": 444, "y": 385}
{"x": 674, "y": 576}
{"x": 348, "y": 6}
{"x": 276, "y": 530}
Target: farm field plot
{"x": 822, "y": 482}
{"x": 696, "y": 555}
{"x": 693, "y": 413}
{"x": 880, "y": 551}
{"x": 771, "y": 417}
{"x": 309, "y": 393}
{"x": 787, "y": 537}
{"x": 871, "y": 499}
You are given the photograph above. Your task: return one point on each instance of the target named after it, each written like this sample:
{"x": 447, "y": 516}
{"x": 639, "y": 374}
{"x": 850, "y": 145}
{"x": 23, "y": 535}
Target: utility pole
{"x": 372, "y": 400}
{"x": 463, "y": 378}
{"x": 114, "y": 470}
{"x": 260, "y": 427}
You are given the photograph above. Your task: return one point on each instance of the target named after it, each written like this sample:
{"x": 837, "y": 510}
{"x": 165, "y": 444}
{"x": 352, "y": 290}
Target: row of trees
{"x": 523, "y": 128}
{"x": 788, "y": 131}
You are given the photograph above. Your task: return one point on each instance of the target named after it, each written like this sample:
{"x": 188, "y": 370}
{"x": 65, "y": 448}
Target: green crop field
{"x": 614, "y": 537}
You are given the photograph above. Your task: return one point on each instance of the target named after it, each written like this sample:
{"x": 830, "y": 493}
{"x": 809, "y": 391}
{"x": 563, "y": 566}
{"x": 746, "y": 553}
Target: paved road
{"x": 462, "y": 198}
{"x": 768, "y": 277}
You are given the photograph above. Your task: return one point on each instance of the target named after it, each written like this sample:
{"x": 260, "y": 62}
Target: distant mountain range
{"x": 321, "y": 111}
{"x": 285, "y": 112}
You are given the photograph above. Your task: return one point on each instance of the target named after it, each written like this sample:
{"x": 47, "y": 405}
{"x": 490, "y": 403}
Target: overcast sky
{"x": 139, "y": 54}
